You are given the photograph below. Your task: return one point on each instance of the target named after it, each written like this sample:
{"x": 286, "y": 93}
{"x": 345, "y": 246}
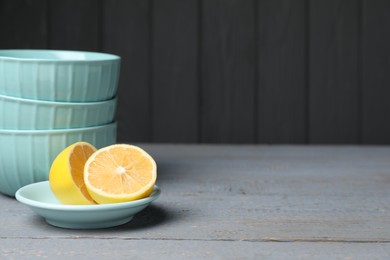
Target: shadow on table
{"x": 151, "y": 216}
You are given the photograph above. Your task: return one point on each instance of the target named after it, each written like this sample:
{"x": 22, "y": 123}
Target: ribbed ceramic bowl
{"x": 56, "y": 75}
{"x": 26, "y": 155}
{"x": 29, "y": 114}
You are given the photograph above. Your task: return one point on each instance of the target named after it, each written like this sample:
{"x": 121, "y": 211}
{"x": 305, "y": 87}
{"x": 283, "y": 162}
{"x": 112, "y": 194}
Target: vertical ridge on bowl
{"x": 51, "y": 95}
{"x": 29, "y": 140}
{"x": 90, "y": 80}
{"x": 94, "y": 81}
{"x": 19, "y": 77}
{"x": 2, "y": 109}
{"x": 69, "y": 116}
{"x": 36, "y": 70}
{"x": 30, "y": 148}
{"x": 34, "y": 118}
{"x": 100, "y": 80}
{"x": 5, "y": 178}
{"x": 56, "y": 88}
{"x": 26, "y": 70}
{"x": 52, "y": 114}
{"x": 114, "y": 77}
{"x": 35, "y": 81}
{"x": 108, "y": 90}
{"x": 71, "y": 80}
{"x": 86, "y": 79}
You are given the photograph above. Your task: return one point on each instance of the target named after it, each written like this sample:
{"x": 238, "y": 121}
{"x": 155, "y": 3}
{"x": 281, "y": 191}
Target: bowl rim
{"x": 59, "y": 103}
{"x": 102, "y": 55}
{"x": 55, "y": 131}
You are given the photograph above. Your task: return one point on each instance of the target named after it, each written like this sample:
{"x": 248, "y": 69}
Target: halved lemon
{"x": 66, "y": 174}
{"x": 120, "y": 173}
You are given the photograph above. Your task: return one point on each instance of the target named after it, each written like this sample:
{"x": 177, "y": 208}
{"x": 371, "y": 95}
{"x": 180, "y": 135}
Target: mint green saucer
{"x": 40, "y": 199}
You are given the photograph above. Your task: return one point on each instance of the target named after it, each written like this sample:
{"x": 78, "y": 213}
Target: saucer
{"x": 39, "y": 197}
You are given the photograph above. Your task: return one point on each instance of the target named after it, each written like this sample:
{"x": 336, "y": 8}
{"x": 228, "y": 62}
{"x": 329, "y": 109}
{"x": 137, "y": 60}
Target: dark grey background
{"x": 229, "y": 71}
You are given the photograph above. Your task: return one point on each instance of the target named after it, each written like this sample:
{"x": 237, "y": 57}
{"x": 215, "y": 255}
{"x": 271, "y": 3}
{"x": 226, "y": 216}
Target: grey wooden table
{"x": 229, "y": 202}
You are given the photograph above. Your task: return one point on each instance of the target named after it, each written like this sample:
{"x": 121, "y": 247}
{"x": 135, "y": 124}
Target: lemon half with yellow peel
{"x": 66, "y": 176}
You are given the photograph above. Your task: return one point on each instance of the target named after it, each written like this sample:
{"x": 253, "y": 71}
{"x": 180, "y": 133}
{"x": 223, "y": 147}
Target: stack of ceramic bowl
{"x": 49, "y": 100}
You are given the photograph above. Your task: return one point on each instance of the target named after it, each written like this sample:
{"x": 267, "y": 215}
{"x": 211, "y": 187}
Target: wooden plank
{"x": 126, "y": 32}
{"x": 23, "y": 24}
{"x": 175, "y": 71}
{"x": 74, "y": 24}
{"x": 281, "y": 90}
{"x": 334, "y": 87}
{"x": 228, "y": 71}
{"x": 247, "y": 193}
{"x": 180, "y": 249}
{"x": 375, "y": 92}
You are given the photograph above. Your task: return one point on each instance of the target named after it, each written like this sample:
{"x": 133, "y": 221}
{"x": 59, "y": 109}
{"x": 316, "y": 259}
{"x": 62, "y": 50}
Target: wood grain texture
{"x": 375, "y": 72}
{"x": 228, "y": 71}
{"x": 74, "y": 25}
{"x": 182, "y": 249}
{"x": 23, "y": 24}
{"x": 333, "y": 67}
{"x": 241, "y": 201}
{"x": 175, "y": 88}
{"x": 126, "y": 32}
{"x": 281, "y": 108}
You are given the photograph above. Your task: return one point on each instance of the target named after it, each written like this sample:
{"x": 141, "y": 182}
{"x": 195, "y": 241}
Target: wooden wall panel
{"x": 333, "y": 71}
{"x": 175, "y": 87}
{"x": 74, "y": 25}
{"x": 228, "y": 71}
{"x": 126, "y": 32}
{"x": 375, "y": 70}
{"x": 23, "y": 24}
{"x": 281, "y": 109}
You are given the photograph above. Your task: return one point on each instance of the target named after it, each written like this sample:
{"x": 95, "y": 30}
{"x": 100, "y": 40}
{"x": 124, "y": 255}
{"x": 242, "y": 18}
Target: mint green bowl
{"x": 56, "y": 75}
{"x": 26, "y": 155}
{"x": 30, "y": 114}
